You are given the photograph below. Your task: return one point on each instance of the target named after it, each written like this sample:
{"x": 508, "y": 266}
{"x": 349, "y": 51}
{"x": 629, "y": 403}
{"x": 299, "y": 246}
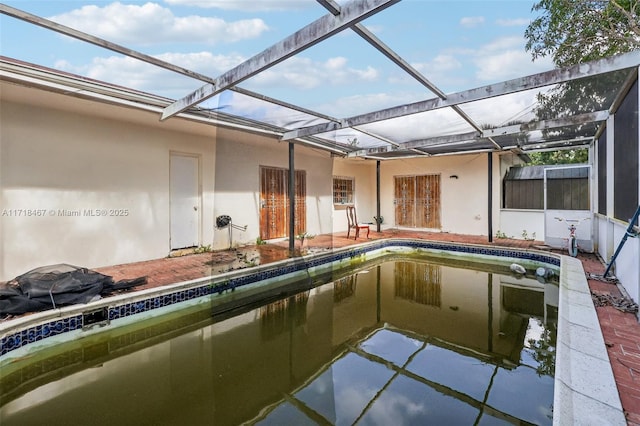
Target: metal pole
{"x": 292, "y": 200}
{"x": 377, "y": 195}
{"x": 628, "y": 233}
{"x": 490, "y": 196}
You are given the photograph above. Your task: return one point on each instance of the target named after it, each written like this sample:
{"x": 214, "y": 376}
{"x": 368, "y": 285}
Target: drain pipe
{"x": 292, "y": 201}
{"x": 490, "y": 196}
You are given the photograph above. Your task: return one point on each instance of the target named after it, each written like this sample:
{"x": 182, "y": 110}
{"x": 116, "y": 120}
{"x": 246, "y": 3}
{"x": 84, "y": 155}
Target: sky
{"x": 456, "y": 44}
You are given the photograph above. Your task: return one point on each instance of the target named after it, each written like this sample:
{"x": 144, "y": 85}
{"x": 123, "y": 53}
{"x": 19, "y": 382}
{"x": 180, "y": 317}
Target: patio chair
{"x": 353, "y": 223}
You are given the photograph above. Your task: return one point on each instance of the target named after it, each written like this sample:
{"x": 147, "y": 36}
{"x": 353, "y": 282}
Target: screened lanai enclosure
{"x": 436, "y": 123}
{"x": 555, "y": 109}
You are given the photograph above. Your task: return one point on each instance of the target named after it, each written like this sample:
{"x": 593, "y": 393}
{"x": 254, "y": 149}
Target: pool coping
{"x": 585, "y": 391}
{"x": 584, "y": 386}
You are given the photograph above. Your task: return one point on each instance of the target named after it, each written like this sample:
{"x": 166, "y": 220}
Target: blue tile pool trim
{"x": 60, "y": 326}
{"x": 40, "y": 332}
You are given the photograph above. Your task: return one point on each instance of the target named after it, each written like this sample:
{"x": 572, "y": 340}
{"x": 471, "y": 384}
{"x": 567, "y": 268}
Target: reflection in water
{"x": 419, "y": 282}
{"x": 366, "y": 349}
{"x": 344, "y": 288}
{"x": 390, "y": 378}
{"x": 275, "y": 317}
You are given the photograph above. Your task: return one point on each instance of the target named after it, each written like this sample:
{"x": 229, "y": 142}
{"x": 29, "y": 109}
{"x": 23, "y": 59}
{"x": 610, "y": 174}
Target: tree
{"x": 572, "y": 32}
{"x": 575, "y": 31}
{"x": 567, "y": 156}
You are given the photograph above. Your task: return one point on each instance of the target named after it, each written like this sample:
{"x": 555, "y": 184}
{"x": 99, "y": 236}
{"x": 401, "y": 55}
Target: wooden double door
{"x": 417, "y": 201}
{"x": 274, "y": 202}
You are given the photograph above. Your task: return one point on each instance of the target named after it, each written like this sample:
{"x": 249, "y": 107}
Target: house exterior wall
{"x": 517, "y": 224}
{"x": 69, "y": 160}
{"x": 464, "y": 201}
{"x": 237, "y": 190}
{"x": 364, "y": 175}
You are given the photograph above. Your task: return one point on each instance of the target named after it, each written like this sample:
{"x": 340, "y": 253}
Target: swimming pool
{"x": 252, "y": 286}
{"x": 425, "y": 340}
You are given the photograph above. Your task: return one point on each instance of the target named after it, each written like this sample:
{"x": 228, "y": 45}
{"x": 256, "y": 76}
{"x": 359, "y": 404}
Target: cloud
{"x": 393, "y": 405}
{"x": 502, "y": 43}
{"x": 305, "y": 73}
{"x": 296, "y": 73}
{"x": 498, "y": 60}
{"x": 129, "y": 72}
{"x": 245, "y": 5}
{"x": 506, "y": 58}
{"x": 151, "y": 23}
{"x": 442, "y": 70}
{"x": 518, "y": 22}
{"x": 472, "y": 21}
{"x": 348, "y": 106}
{"x": 440, "y": 65}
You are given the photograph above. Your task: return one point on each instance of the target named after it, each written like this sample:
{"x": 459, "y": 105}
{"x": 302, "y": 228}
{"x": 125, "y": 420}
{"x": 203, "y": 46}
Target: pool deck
{"x": 621, "y": 331}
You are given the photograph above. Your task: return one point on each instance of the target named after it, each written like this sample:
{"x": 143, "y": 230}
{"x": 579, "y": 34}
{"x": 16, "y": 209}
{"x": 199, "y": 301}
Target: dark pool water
{"x": 403, "y": 342}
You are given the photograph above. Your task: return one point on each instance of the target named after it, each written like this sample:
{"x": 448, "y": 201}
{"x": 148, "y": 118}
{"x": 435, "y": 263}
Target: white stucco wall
{"x": 514, "y": 222}
{"x": 62, "y": 156}
{"x": 464, "y": 201}
{"x": 237, "y": 191}
{"x": 364, "y": 175}
{"x": 627, "y": 265}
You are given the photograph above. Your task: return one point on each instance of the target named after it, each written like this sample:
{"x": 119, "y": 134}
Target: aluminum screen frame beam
{"x": 462, "y": 138}
{"x": 363, "y": 32}
{"x": 379, "y": 45}
{"x": 548, "y": 78}
{"x": 553, "y": 123}
{"x": 319, "y": 30}
{"x": 105, "y": 44}
{"x": 510, "y": 130}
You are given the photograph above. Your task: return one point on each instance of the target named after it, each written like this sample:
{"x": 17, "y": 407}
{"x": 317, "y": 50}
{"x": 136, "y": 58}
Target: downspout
{"x": 378, "y": 196}
{"x": 292, "y": 201}
{"x": 490, "y": 196}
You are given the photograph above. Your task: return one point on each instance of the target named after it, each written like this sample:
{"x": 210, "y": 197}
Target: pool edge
{"x": 585, "y": 391}
{"x": 579, "y": 394}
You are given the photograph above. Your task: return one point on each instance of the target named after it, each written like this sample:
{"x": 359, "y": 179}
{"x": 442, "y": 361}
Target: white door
{"x": 185, "y": 201}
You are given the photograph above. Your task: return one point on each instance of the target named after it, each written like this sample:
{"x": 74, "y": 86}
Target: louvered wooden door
{"x": 428, "y": 201}
{"x": 300, "y": 203}
{"x": 405, "y": 197}
{"x": 417, "y": 201}
{"x": 274, "y": 202}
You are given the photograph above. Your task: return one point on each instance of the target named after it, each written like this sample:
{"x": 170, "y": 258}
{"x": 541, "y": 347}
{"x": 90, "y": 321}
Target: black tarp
{"x": 59, "y": 285}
